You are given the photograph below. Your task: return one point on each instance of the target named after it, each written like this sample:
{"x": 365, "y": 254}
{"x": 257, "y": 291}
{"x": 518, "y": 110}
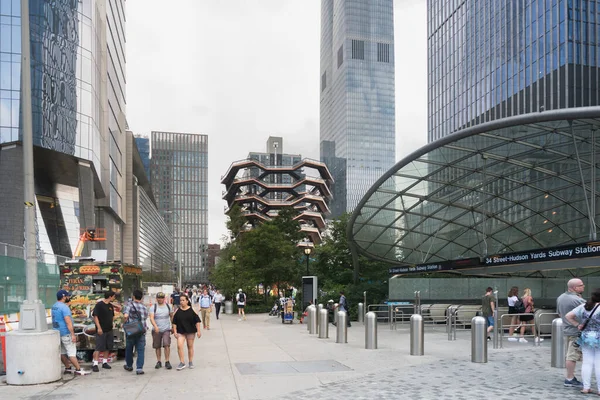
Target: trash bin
{"x": 229, "y": 307}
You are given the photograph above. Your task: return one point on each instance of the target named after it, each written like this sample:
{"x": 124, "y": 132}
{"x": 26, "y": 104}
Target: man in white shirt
{"x": 241, "y": 303}
{"x": 217, "y": 300}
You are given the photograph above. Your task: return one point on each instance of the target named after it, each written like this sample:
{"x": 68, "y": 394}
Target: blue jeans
{"x": 139, "y": 342}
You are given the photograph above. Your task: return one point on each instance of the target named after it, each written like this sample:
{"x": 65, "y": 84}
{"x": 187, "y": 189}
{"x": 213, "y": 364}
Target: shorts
{"x": 490, "y": 321}
{"x": 526, "y": 318}
{"x": 187, "y": 336}
{"x": 67, "y": 346}
{"x": 241, "y": 306}
{"x": 161, "y": 339}
{"x": 105, "y": 341}
{"x": 511, "y": 310}
{"x": 573, "y": 353}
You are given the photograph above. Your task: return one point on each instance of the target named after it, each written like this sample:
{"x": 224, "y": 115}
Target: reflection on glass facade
{"x": 491, "y": 189}
{"x": 357, "y": 96}
{"x": 491, "y": 59}
{"x": 143, "y": 145}
{"x": 179, "y": 168}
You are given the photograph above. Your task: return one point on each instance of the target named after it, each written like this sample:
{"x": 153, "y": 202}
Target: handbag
{"x": 576, "y": 343}
{"x": 134, "y": 328}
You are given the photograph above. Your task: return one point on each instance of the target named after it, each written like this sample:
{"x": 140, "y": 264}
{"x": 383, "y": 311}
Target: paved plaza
{"x": 262, "y": 359}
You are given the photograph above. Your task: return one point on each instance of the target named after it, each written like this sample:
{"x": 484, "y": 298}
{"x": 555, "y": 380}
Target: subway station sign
{"x": 591, "y": 249}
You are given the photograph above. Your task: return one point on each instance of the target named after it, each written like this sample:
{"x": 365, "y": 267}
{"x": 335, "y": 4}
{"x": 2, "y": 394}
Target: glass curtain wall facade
{"x": 179, "y": 168}
{"x": 143, "y": 145}
{"x": 492, "y": 59}
{"x": 357, "y": 111}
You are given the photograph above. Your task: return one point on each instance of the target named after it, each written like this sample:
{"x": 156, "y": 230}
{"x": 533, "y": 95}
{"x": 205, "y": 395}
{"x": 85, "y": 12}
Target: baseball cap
{"x": 62, "y": 293}
{"x": 240, "y": 290}
{"x": 160, "y": 295}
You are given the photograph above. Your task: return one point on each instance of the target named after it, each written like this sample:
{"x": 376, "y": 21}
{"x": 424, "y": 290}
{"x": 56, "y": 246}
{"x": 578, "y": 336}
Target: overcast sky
{"x": 240, "y": 71}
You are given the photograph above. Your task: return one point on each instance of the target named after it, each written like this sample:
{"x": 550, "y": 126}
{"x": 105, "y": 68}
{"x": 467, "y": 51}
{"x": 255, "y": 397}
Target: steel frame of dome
{"x": 519, "y": 183}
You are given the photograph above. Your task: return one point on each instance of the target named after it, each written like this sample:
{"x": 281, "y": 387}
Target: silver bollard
{"x": 319, "y": 308}
{"x": 559, "y": 351}
{"x": 478, "y": 340}
{"x": 307, "y": 319}
{"x": 417, "y": 335}
{"x": 335, "y": 314}
{"x": 323, "y": 324}
{"x": 341, "y": 334}
{"x": 312, "y": 312}
{"x": 371, "y": 330}
{"x": 361, "y": 313}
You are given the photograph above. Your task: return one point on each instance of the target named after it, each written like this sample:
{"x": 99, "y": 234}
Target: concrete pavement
{"x": 263, "y": 359}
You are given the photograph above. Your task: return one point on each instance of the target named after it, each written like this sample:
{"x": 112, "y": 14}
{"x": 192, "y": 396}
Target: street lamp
{"x": 233, "y": 259}
{"x": 178, "y": 246}
{"x": 307, "y": 251}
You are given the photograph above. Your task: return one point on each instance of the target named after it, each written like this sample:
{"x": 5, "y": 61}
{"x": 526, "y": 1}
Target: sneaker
{"x": 191, "y": 365}
{"x": 512, "y": 339}
{"x": 489, "y": 339}
{"x": 539, "y": 339}
{"x": 244, "y": 317}
{"x": 239, "y": 319}
{"x": 95, "y": 368}
{"x": 81, "y": 372}
{"x": 523, "y": 340}
{"x": 573, "y": 383}
{"x": 181, "y": 366}
{"x": 127, "y": 368}
{"x": 69, "y": 370}
{"x": 158, "y": 365}
{"x": 168, "y": 365}
{"x": 106, "y": 366}
{"x": 139, "y": 372}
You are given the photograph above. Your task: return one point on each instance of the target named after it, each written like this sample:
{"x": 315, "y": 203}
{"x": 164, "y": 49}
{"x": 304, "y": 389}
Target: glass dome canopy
{"x": 516, "y": 184}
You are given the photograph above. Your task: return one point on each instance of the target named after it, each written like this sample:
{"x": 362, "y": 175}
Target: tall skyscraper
{"x": 493, "y": 59}
{"x": 357, "y": 96}
{"x": 179, "y": 169}
{"x": 78, "y": 122}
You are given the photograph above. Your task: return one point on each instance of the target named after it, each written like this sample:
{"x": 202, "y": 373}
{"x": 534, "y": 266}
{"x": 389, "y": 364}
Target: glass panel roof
{"x": 487, "y": 190}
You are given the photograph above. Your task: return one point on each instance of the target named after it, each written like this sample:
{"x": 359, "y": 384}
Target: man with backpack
{"x": 241, "y": 303}
{"x": 343, "y": 306}
{"x": 161, "y": 316}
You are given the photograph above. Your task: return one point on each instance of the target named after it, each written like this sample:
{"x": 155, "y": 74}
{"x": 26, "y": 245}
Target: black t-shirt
{"x": 176, "y": 298}
{"x": 186, "y": 320}
{"x": 105, "y": 314}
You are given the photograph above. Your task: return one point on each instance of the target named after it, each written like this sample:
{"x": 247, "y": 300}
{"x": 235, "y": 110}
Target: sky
{"x": 241, "y": 71}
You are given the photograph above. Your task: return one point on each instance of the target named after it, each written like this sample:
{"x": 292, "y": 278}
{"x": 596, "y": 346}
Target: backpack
{"x": 242, "y": 297}
{"x": 156, "y": 305}
{"x": 519, "y": 306}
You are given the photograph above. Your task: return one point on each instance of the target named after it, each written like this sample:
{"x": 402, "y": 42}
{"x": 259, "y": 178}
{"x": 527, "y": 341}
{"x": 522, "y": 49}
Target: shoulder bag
{"x": 576, "y": 343}
{"x": 134, "y": 328}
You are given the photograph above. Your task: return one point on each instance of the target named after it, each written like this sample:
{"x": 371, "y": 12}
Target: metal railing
{"x": 501, "y": 327}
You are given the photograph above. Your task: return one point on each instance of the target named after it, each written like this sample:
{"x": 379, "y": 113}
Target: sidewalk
{"x": 263, "y": 359}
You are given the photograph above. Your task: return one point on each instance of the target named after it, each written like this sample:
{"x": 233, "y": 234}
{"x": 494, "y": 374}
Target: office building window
{"x": 340, "y": 55}
{"x": 358, "y": 49}
{"x": 383, "y": 52}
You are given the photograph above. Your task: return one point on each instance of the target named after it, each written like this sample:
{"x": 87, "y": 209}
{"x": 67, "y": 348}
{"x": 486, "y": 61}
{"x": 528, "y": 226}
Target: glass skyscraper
{"x": 357, "y": 121}
{"x": 491, "y": 59}
{"x": 179, "y": 169}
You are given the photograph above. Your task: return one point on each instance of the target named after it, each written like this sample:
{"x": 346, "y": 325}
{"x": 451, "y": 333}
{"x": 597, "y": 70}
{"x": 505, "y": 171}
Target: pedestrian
{"x": 186, "y": 324}
{"x": 217, "y": 301}
{"x": 195, "y": 299}
{"x": 488, "y": 308}
{"x": 205, "y": 309}
{"x": 62, "y": 321}
{"x": 343, "y": 306}
{"x": 135, "y": 311}
{"x": 160, "y": 318}
{"x": 586, "y": 318}
{"x": 566, "y": 303}
{"x": 528, "y": 320}
{"x": 175, "y": 296}
{"x": 104, "y": 315}
{"x": 241, "y": 304}
{"x": 514, "y": 320}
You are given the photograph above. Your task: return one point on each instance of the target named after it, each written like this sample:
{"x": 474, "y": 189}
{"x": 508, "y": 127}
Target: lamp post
{"x": 233, "y": 259}
{"x": 178, "y": 247}
{"x": 307, "y": 251}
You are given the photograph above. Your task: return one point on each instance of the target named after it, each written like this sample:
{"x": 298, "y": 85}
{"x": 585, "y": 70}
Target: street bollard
{"x": 558, "y": 354}
{"x": 417, "y": 335}
{"x": 341, "y": 334}
{"x": 312, "y": 312}
{"x": 229, "y": 307}
{"x": 319, "y": 308}
{"x": 361, "y": 313}
{"x": 335, "y": 314}
{"x": 323, "y": 324}
{"x": 478, "y": 340}
{"x": 451, "y": 323}
{"x": 371, "y": 330}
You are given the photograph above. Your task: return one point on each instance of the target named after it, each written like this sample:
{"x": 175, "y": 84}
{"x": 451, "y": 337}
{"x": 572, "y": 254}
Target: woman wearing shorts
{"x": 186, "y": 324}
{"x": 528, "y": 320}
{"x": 514, "y": 321}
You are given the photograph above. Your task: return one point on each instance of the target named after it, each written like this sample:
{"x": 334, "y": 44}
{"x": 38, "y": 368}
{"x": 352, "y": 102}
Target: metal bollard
{"x": 478, "y": 340}
{"x": 312, "y": 312}
{"x": 307, "y": 319}
{"x": 335, "y": 314}
{"x": 417, "y": 335}
{"x": 341, "y": 334}
{"x": 361, "y": 313}
{"x": 323, "y": 324}
{"x": 559, "y": 351}
{"x": 319, "y": 308}
{"x": 371, "y": 330}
